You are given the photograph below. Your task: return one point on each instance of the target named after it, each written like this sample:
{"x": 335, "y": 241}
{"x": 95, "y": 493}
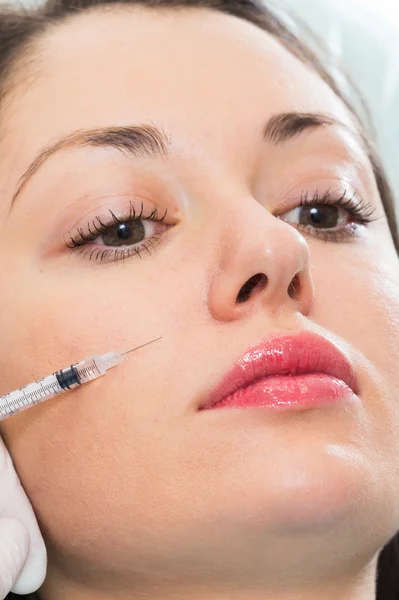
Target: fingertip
{"x": 34, "y": 571}
{"x": 14, "y": 550}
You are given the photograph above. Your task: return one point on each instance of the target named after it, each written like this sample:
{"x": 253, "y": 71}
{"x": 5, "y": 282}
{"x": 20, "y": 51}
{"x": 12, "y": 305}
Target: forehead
{"x": 195, "y": 72}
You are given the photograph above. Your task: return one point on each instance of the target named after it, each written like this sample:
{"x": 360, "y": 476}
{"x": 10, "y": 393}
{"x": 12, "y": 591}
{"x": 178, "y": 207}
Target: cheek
{"x": 92, "y": 457}
{"x": 66, "y": 318}
{"x": 359, "y": 301}
{"x": 94, "y": 466}
{"x": 104, "y": 445}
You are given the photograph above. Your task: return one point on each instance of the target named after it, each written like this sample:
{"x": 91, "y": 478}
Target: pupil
{"x": 325, "y": 216}
{"x": 124, "y": 231}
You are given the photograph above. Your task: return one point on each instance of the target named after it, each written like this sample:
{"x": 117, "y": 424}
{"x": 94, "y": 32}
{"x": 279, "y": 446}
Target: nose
{"x": 264, "y": 266}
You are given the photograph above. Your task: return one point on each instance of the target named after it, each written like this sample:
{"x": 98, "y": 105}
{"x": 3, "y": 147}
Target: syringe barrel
{"x": 60, "y": 381}
{"x": 27, "y": 396}
{"x": 48, "y": 387}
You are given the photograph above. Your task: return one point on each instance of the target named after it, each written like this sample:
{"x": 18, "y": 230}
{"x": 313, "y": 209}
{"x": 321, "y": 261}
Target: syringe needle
{"x": 142, "y": 345}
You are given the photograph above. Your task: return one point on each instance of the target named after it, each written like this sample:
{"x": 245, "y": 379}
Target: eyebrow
{"x": 150, "y": 141}
{"x": 139, "y": 141}
{"x": 284, "y": 126}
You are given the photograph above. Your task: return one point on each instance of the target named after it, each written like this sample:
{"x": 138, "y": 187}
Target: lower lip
{"x": 290, "y": 392}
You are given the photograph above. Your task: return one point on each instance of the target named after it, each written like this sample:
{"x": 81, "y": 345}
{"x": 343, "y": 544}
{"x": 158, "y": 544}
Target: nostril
{"x": 258, "y": 281}
{"x": 295, "y": 287}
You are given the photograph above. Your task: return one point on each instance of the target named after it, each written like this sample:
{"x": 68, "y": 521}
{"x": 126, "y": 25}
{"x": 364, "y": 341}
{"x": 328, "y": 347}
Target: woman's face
{"x": 130, "y": 481}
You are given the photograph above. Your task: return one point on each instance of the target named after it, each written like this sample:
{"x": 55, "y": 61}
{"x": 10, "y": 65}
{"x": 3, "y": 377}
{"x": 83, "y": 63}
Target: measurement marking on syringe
{"x": 12, "y": 403}
{"x": 86, "y": 371}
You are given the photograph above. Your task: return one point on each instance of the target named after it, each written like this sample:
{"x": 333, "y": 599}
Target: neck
{"x": 358, "y": 586}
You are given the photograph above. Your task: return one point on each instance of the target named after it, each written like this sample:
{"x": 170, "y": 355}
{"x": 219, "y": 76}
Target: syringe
{"x": 66, "y": 379}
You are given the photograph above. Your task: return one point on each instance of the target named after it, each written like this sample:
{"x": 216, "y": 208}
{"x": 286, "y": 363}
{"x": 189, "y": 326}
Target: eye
{"x": 322, "y": 216}
{"x": 118, "y": 238}
{"x": 330, "y": 217}
{"x": 123, "y": 233}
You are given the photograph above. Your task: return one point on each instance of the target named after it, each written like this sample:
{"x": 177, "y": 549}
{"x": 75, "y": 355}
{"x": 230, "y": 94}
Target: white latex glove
{"x": 23, "y": 557}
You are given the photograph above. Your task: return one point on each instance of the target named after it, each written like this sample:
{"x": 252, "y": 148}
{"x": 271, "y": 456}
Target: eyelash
{"x": 359, "y": 209}
{"x": 116, "y": 254}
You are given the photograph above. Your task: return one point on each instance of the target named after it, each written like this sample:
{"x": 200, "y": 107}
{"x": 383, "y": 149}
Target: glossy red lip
{"x": 304, "y": 353}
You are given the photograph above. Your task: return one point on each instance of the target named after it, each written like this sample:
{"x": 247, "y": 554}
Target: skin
{"x": 137, "y": 493}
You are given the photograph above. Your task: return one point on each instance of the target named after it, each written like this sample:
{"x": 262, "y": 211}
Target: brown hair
{"x": 20, "y": 28}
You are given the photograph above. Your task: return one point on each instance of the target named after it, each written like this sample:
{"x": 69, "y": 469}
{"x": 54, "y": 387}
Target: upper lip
{"x": 306, "y": 352}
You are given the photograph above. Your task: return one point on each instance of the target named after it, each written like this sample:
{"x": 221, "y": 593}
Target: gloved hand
{"x": 23, "y": 557}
